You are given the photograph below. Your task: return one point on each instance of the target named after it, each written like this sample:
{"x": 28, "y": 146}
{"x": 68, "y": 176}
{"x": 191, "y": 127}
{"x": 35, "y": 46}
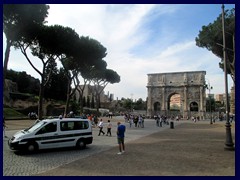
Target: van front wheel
{"x": 81, "y": 144}
{"x": 32, "y": 147}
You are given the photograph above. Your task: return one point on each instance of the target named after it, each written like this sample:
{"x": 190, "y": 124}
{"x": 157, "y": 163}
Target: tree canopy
{"x": 80, "y": 56}
{"x": 211, "y": 38}
{"x": 18, "y": 21}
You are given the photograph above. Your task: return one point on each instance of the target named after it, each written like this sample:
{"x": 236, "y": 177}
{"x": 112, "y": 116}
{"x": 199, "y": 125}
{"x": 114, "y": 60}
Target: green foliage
{"x": 127, "y": 103}
{"x": 10, "y": 113}
{"x": 80, "y": 56}
{"x": 57, "y": 86}
{"x": 21, "y": 96}
{"x": 25, "y": 82}
{"x": 18, "y": 19}
{"x": 112, "y": 76}
{"x": 92, "y": 111}
{"x": 210, "y": 105}
{"x": 140, "y": 104}
{"x": 211, "y": 38}
{"x": 75, "y": 107}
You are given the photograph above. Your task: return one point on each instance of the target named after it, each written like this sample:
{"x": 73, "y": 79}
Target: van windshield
{"x": 36, "y": 126}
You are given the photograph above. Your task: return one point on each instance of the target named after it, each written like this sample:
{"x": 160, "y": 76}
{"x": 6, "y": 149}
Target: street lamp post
{"x": 131, "y": 102}
{"x": 209, "y": 87}
{"x": 229, "y": 142}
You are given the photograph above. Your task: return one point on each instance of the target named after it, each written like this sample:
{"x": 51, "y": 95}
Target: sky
{"x": 140, "y": 39}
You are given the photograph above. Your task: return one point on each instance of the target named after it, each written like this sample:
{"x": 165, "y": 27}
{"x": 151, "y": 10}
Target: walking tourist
{"x": 100, "y": 125}
{"x": 109, "y": 127}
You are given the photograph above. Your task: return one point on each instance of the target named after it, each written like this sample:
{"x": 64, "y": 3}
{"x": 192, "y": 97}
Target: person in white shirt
{"x": 100, "y": 125}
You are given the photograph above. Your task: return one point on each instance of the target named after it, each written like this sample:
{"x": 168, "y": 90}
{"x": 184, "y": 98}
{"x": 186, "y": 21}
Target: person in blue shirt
{"x": 120, "y": 136}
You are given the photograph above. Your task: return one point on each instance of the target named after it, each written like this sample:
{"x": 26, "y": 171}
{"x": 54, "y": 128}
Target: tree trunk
{"x": 40, "y": 102}
{"x": 68, "y": 98}
{"x": 97, "y": 101}
{"x": 6, "y": 59}
{"x": 81, "y": 103}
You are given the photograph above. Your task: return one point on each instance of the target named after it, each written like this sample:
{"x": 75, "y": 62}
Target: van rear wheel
{"x": 81, "y": 144}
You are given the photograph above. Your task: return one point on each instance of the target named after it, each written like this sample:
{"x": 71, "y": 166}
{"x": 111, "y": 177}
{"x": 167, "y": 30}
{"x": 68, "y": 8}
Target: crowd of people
{"x": 137, "y": 120}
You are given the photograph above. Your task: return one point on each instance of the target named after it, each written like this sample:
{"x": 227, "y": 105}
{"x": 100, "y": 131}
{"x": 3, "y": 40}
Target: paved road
{"x": 30, "y": 164}
{"x": 191, "y": 149}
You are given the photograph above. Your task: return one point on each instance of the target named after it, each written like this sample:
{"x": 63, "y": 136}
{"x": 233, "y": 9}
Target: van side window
{"x": 73, "y": 125}
{"x": 81, "y": 125}
{"x": 51, "y": 127}
{"x": 63, "y": 126}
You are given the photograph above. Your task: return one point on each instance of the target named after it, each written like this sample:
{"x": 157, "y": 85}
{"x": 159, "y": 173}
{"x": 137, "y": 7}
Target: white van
{"x": 53, "y": 133}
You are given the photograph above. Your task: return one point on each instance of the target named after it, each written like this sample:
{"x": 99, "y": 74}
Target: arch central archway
{"x": 189, "y": 86}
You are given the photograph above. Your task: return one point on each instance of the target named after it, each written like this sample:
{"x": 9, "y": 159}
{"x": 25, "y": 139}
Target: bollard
{"x": 171, "y": 125}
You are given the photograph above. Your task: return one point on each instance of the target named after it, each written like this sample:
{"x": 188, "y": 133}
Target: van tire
{"x": 81, "y": 144}
{"x": 32, "y": 147}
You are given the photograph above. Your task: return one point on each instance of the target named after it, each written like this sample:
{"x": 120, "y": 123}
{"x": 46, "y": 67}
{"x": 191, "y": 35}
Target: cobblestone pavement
{"x": 30, "y": 164}
{"x": 190, "y": 149}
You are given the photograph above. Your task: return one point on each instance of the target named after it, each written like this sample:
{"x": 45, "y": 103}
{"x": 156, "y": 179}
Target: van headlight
{"x": 12, "y": 139}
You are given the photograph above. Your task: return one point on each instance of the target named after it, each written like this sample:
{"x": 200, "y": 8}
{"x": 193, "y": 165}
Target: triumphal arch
{"x": 188, "y": 85}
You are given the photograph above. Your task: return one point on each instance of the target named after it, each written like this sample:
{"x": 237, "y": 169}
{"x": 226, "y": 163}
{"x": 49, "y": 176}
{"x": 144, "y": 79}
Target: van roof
{"x": 64, "y": 119}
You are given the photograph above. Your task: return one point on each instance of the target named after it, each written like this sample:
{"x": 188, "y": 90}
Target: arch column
{"x": 185, "y": 104}
{"x": 201, "y": 103}
{"x": 149, "y": 103}
{"x": 163, "y": 102}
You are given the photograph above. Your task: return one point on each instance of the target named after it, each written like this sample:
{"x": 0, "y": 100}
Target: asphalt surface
{"x": 190, "y": 149}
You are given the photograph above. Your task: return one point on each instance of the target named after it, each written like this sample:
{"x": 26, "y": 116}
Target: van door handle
{"x": 56, "y": 134}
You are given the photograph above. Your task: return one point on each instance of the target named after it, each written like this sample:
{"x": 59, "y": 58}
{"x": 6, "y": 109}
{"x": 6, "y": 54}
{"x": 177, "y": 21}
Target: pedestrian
{"x": 160, "y": 121}
{"x": 135, "y": 120}
{"x": 109, "y": 127}
{"x": 120, "y": 137}
{"x": 193, "y": 119}
{"x": 126, "y": 118}
{"x": 157, "y": 118}
{"x": 143, "y": 117}
{"x": 131, "y": 121}
{"x": 100, "y": 126}
{"x": 139, "y": 121}
{"x": 4, "y": 127}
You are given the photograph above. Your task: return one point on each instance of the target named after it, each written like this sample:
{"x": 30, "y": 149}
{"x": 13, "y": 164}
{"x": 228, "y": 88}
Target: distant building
{"x": 219, "y": 97}
{"x": 175, "y": 100}
{"x": 231, "y": 99}
{"x": 89, "y": 92}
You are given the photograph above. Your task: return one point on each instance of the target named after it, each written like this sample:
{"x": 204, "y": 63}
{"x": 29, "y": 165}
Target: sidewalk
{"x": 190, "y": 149}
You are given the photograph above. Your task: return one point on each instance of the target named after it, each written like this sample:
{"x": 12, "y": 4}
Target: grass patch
{"x": 10, "y": 113}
